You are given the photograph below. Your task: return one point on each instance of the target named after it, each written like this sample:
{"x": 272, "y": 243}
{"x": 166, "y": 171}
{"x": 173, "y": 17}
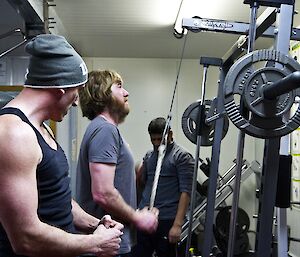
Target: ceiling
{"x": 141, "y": 28}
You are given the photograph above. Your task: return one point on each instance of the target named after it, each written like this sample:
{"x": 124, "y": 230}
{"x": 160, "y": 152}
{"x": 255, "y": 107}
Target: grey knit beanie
{"x": 54, "y": 63}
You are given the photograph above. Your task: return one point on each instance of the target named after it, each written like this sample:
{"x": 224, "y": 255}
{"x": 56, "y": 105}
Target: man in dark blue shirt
{"x": 172, "y": 196}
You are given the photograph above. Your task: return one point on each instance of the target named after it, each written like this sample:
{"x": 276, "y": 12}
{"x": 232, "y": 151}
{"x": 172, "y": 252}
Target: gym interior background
{"x": 136, "y": 39}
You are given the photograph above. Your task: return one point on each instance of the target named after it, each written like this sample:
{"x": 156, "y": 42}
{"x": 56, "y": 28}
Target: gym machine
{"x": 266, "y": 83}
{"x": 223, "y": 192}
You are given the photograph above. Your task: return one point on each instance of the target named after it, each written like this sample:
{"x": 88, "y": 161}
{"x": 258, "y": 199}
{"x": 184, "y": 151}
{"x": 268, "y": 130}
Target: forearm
{"x": 47, "y": 241}
{"x": 182, "y": 209}
{"x": 83, "y": 221}
{"x": 113, "y": 202}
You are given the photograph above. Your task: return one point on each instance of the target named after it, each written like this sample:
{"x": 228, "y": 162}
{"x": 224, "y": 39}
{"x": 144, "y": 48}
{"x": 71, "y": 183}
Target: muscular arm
{"x": 106, "y": 195}
{"x": 19, "y": 157}
{"x": 87, "y": 223}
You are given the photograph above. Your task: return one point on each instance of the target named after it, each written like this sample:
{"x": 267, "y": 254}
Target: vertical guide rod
{"x": 195, "y": 174}
{"x": 263, "y": 240}
{"x": 252, "y": 27}
{"x": 263, "y": 245}
{"x": 240, "y": 147}
{"x": 282, "y": 45}
{"x": 213, "y": 174}
{"x": 203, "y": 87}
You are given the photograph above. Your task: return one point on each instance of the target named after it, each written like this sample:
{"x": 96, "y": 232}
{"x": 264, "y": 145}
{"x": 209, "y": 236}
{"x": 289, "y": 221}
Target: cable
{"x": 163, "y": 143}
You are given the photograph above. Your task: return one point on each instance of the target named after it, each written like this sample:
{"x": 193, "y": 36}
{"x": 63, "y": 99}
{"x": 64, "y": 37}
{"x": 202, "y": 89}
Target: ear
{"x": 58, "y": 92}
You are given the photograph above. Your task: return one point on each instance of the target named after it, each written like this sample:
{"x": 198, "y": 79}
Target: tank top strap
{"x": 19, "y": 113}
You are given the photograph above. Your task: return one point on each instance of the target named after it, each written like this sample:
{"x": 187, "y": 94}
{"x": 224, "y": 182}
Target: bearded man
{"x": 105, "y": 173}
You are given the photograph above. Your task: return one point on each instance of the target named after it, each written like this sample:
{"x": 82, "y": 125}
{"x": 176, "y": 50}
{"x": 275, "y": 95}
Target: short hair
{"x": 157, "y": 126}
{"x": 96, "y": 95}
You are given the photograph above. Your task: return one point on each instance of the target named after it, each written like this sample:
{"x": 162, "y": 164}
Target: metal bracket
{"x": 33, "y": 23}
{"x": 273, "y": 3}
{"x": 48, "y": 21}
{"x": 16, "y": 46}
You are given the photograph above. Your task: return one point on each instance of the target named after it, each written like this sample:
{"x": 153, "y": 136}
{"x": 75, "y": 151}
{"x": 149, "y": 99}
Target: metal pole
{"x": 282, "y": 45}
{"x": 195, "y": 174}
{"x": 73, "y": 146}
{"x": 213, "y": 174}
{"x": 240, "y": 148}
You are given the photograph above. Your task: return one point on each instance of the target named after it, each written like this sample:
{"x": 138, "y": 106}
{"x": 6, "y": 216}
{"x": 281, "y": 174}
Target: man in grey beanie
{"x": 38, "y": 216}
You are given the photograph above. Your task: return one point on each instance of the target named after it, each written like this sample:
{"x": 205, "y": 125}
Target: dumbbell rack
{"x": 222, "y": 194}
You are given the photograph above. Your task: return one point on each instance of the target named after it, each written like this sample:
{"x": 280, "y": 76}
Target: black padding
{"x": 283, "y": 193}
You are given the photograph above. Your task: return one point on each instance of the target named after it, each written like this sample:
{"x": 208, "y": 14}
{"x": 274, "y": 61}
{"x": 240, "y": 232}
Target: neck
{"x": 37, "y": 109}
{"x": 107, "y": 116}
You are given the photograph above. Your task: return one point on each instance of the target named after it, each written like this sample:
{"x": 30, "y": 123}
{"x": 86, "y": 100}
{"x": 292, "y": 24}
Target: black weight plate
{"x": 222, "y": 222}
{"x": 237, "y": 80}
{"x": 241, "y": 245}
{"x": 253, "y": 94}
{"x": 189, "y": 121}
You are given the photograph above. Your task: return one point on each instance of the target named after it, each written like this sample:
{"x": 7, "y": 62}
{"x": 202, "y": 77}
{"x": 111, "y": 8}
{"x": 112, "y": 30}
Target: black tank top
{"x": 53, "y": 185}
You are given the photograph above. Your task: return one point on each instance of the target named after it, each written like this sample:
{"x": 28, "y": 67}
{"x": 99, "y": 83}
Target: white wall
{"x": 150, "y": 83}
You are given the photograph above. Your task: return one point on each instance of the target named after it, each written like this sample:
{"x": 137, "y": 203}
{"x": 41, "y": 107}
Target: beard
{"x": 118, "y": 109}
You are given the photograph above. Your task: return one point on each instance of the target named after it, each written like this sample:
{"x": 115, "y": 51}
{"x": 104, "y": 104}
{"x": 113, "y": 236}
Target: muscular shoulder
{"x": 18, "y": 141}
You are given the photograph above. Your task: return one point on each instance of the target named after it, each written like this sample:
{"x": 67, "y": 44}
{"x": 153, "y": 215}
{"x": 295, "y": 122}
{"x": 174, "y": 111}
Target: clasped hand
{"x": 109, "y": 232}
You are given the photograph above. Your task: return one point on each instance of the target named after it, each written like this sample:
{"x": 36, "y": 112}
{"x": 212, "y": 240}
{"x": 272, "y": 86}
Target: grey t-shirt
{"x": 103, "y": 143}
